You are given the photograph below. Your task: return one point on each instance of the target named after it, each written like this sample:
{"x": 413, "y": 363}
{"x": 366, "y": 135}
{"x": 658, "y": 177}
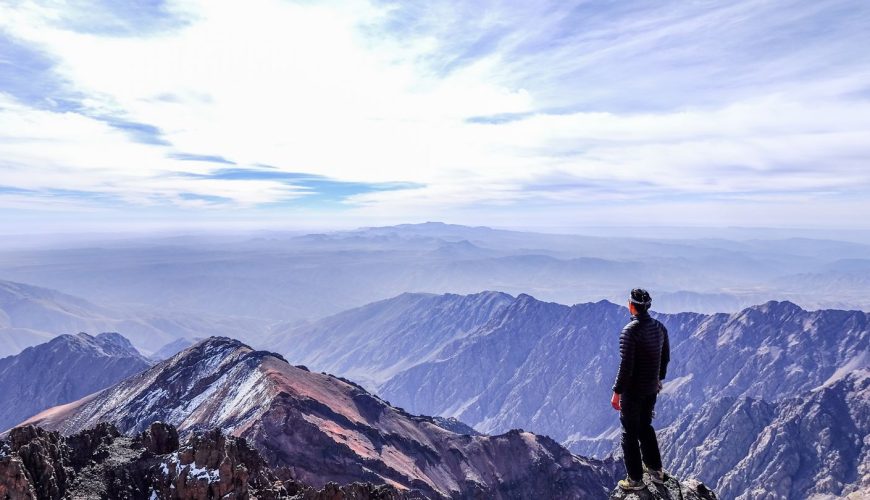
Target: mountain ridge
{"x": 321, "y": 428}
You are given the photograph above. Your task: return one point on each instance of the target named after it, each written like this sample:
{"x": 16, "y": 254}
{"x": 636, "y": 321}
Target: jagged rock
{"x": 672, "y": 489}
{"x": 102, "y": 463}
{"x": 354, "y": 491}
{"x": 44, "y": 456}
{"x": 15, "y": 483}
{"x": 159, "y": 438}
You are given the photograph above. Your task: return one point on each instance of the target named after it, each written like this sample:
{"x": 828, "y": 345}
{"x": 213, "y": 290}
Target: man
{"x": 645, "y": 352}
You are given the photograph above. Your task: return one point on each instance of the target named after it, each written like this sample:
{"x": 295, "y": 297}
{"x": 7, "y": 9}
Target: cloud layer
{"x": 532, "y": 113}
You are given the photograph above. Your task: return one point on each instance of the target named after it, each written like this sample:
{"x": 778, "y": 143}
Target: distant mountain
{"x": 326, "y": 429}
{"x": 809, "y": 446}
{"x": 283, "y": 277}
{"x": 549, "y": 367}
{"x": 173, "y": 348}
{"x": 30, "y": 315}
{"x": 62, "y": 370}
{"x": 374, "y": 342}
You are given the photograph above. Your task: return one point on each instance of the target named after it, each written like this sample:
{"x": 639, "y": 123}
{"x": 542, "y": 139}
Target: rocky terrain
{"x": 103, "y": 463}
{"x": 672, "y": 489}
{"x": 62, "y": 370}
{"x": 317, "y": 428}
{"x": 155, "y": 464}
{"x": 815, "y": 444}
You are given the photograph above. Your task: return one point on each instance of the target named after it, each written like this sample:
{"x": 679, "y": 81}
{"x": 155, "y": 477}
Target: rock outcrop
{"x": 102, "y": 463}
{"x": 672, "y": 489}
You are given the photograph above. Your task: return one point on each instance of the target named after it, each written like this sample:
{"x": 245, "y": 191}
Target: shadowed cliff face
{"x": 318, "y": 428}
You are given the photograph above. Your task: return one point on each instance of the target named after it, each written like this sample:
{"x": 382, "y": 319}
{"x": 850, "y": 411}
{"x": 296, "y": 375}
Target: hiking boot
{"x": 629, "y": 484}
{"x": 657, "y": 476}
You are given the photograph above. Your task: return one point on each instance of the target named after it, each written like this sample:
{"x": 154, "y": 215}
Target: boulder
{"x": 672, "y": 489}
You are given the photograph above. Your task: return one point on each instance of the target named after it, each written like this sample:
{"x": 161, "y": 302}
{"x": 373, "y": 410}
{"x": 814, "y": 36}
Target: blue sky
{"x": 277, "y": 113}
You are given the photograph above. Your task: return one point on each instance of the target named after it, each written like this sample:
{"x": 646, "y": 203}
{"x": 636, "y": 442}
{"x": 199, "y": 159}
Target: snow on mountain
{"x": 327, "y": 429}
{"x": 63, "y": 370}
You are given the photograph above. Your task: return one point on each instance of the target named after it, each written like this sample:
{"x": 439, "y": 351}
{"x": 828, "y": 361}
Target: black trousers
{"x": 638, "y": 436}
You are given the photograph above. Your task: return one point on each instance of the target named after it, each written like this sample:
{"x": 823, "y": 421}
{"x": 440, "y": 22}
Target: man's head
{"x": 639, "y": 301}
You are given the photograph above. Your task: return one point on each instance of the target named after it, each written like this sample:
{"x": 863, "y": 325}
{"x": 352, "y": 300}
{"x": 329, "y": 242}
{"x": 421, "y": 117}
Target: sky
{"x": 123, "y": 115}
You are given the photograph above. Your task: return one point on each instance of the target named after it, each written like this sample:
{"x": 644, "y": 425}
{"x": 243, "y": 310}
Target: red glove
{"x": 614, "y": 402}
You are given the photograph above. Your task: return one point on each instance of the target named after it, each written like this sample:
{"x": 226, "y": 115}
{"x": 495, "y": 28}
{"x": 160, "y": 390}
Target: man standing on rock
{"x": 645, "y": 352}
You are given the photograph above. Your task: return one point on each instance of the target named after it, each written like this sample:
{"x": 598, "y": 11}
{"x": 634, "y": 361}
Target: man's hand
{"x": 614, "y": 402}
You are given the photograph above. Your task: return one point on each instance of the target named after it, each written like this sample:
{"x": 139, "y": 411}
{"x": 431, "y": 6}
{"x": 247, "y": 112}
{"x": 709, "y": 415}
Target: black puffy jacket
{"x": 645, "y": 352}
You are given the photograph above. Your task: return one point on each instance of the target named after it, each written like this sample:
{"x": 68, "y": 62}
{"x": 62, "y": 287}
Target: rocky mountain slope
{"x": 815, "y": 444}
{"x": 372, "y": 343}
{"x": 62, "y": 370}
{"x": 30, "y": 315}
{"x": 320, "y": 428}
{"x": 549, "y": 367}
{"x": 102, "y": 463}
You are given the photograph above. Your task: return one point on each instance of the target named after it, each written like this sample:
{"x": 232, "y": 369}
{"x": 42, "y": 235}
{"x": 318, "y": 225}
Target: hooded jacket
{"x": 645, "y": 353}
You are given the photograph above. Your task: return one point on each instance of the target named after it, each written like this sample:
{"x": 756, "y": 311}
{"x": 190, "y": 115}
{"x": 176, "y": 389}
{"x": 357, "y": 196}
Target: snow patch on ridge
{"x": 858, "y": 363}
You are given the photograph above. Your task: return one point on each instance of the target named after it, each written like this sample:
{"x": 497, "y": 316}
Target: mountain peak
{"x": 62, "y": 370}
{"x": 779, "y": 307}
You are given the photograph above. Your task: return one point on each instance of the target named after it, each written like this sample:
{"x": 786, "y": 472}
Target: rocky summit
{"x": 672, "y": 489}
{"x": 101, "y": 463}
{"x": 316, "y": 428}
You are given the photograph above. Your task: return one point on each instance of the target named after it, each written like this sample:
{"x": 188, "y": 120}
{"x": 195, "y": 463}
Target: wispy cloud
{"x": 473, "y": 111}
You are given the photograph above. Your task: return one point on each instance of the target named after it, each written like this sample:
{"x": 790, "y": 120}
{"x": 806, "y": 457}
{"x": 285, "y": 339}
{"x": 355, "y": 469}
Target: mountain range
{"x": 30, "y": 315}
{"x": 514, "y": 356}
{"x": 549, "y": 367}
{"x": 280, "y": 277}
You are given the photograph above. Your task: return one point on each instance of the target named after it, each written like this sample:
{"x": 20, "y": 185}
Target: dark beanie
{"x": 640, "y": 297}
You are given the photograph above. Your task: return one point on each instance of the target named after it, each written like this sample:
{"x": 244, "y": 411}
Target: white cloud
{"x": 302, "y": 87}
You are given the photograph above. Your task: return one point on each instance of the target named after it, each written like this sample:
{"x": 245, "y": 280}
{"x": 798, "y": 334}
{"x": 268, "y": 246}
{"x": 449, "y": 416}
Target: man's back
{"x": 645, "y": 353}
